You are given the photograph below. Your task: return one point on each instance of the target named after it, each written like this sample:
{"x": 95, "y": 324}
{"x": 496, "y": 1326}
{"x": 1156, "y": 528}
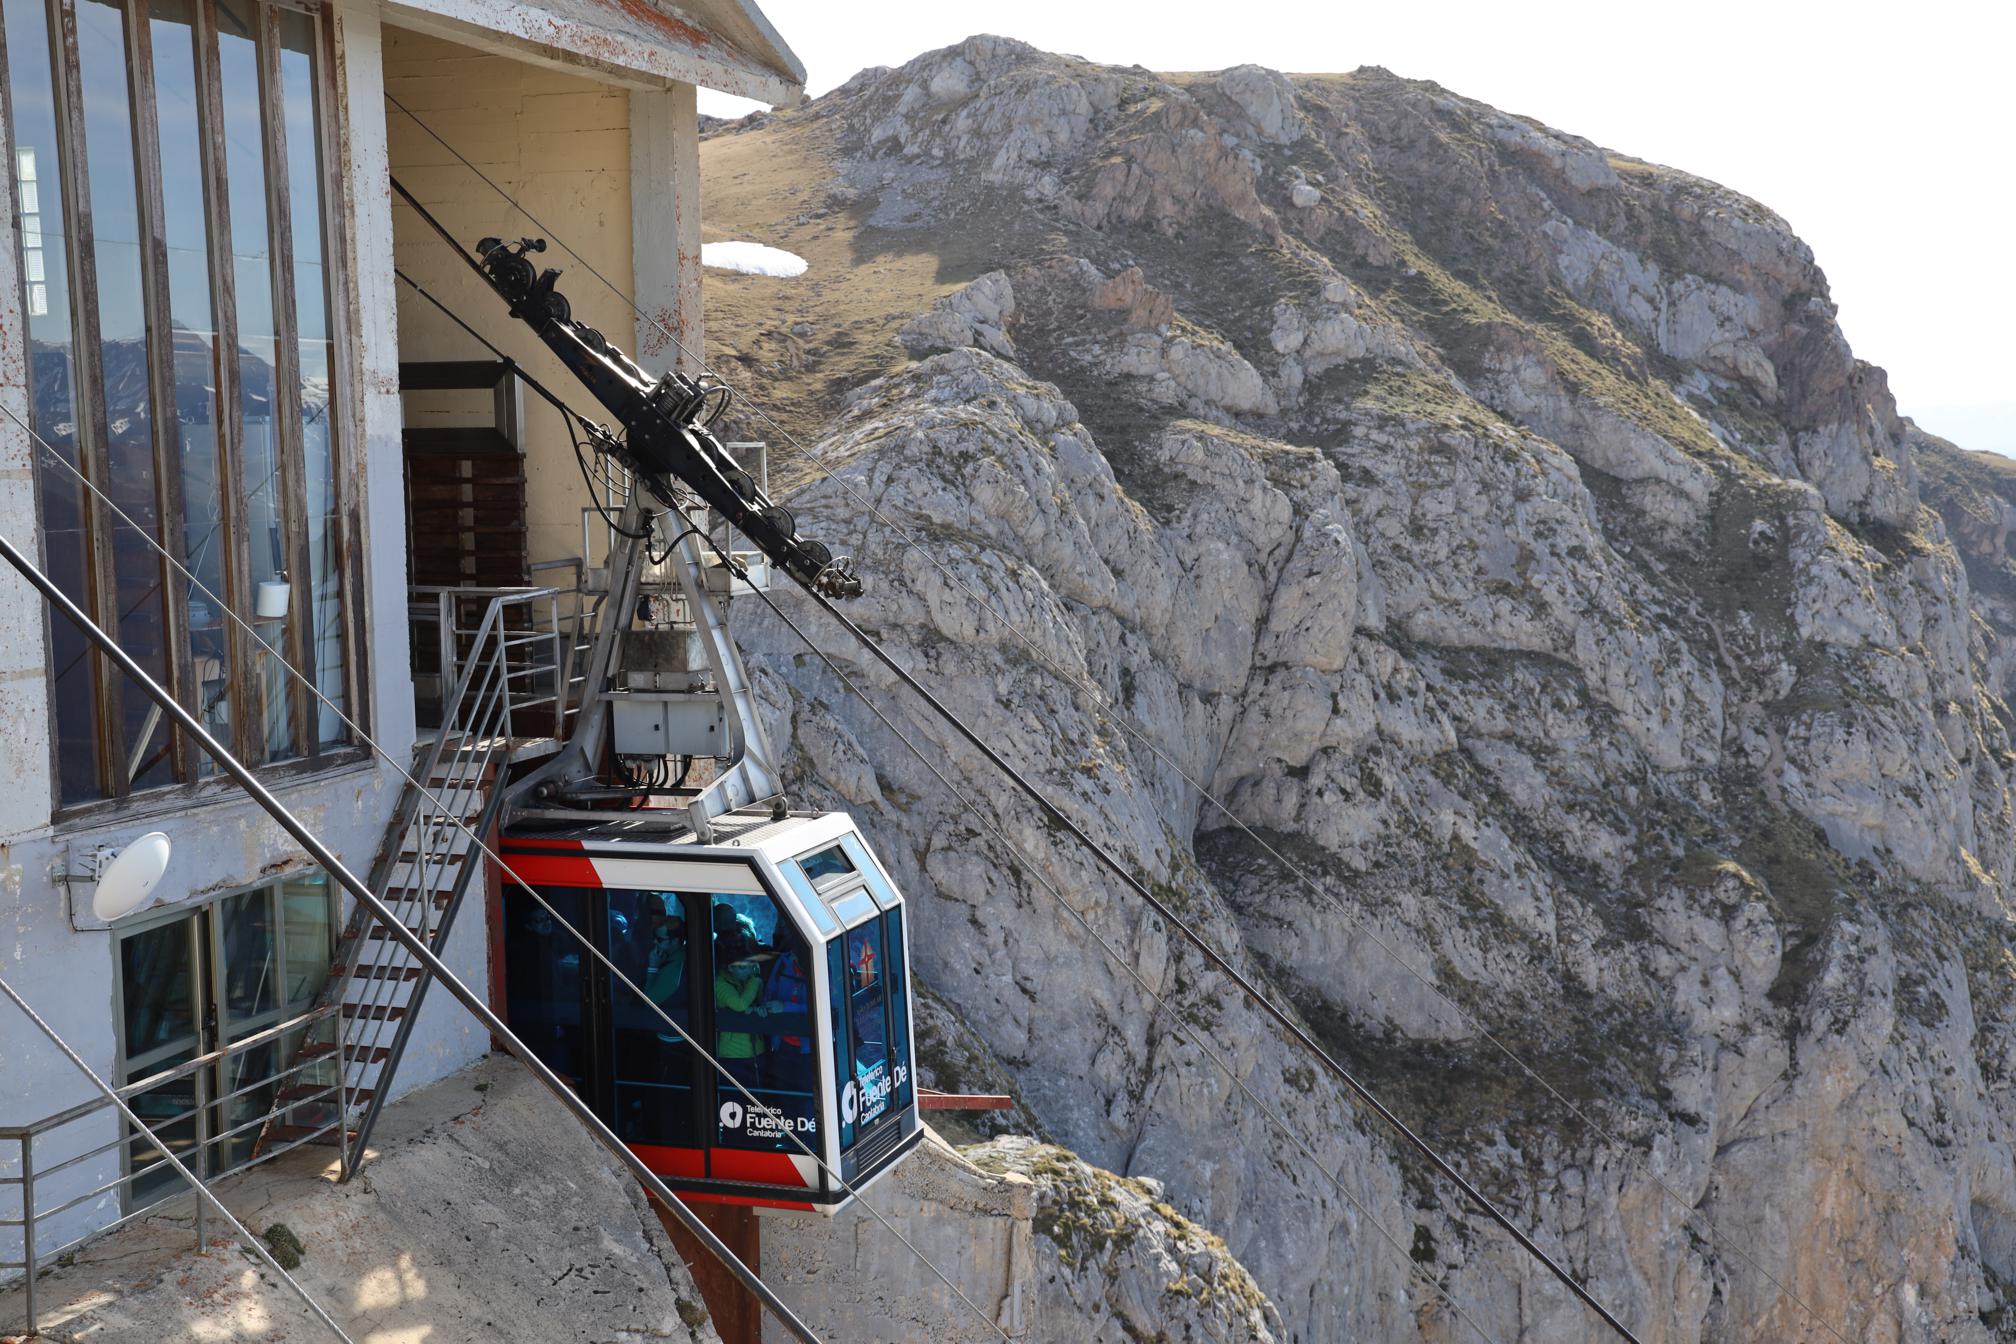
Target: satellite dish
{"x": 131, "y": 876}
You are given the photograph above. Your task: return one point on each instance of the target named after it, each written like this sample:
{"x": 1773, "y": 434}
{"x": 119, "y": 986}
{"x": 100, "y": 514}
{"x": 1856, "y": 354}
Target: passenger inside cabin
{"x": 737, "y": 986}
{"x": 787, "y": 1001}
{"x": 664, "y": 979}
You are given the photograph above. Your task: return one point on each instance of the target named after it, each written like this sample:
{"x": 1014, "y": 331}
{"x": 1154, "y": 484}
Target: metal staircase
{"x": 505, "y": 693}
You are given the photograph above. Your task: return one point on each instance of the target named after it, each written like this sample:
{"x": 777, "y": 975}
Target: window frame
{"x": 212, "y": 1025}
{"x": 101, "y": 597}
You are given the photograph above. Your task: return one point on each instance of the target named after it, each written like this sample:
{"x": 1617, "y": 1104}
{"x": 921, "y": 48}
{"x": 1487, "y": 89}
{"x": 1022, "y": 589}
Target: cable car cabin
{"x": 781, "y": 948}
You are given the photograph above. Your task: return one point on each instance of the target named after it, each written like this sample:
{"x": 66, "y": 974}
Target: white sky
{"x": 1886, "y": 136}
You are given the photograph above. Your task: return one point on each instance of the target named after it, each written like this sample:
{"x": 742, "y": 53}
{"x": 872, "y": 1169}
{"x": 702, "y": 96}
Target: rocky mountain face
{"x": 1596, "y": 672}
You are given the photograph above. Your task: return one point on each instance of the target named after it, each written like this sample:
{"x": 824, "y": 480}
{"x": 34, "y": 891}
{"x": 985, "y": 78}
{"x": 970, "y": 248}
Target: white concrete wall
{"x": 849, "y": 1277}
{"x": 445, "y": 1038}
{"x": 665, "y": 228}
{"x": 560, "y": 145}
{"x": 24, "y": 687}
{"x": 61, "y": 960}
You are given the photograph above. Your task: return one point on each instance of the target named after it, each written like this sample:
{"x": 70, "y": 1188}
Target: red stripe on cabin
{"x": 554, "y": 870}
{"x": 733, "y": 1164}
{"x": 687, "y": 1162}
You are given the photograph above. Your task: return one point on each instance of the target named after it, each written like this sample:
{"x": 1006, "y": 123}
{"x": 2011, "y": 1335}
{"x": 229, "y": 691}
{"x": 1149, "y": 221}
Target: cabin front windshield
{"x": 871, "y": 1044}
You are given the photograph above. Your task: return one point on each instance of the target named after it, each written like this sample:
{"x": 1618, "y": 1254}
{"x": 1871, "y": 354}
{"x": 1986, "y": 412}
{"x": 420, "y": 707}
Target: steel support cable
{"x": 1302, "y": 1037}
{"x": 1689, "y": 1212}
{"x": 576, "y": 423}
{"x": 1285, "y": 1020}
{"x": 1161, "y": 1002}
{"x": 478, "y": 843}
{"x": 200, "y": 1190}
{"x": 397, "y": 929}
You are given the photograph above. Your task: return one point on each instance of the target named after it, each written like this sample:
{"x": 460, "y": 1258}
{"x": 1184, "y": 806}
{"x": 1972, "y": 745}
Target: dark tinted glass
{"x": 157, "y": 987}
{"x": 763, "y": 1028}
{"x": 826, "y": 863}
{"x": 650, "y": 943}
{"x": 170, "y": 1113}
{"x": 843, "y": 1065}
{"x": 249, "y": 977}
{"x": 899, "y": 1008}
{"x": 543, "y": 978}
{"x": 868, "y": 1020}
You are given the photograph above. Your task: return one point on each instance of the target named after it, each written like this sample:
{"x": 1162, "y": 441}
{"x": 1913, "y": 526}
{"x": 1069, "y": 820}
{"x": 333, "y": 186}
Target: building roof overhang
{"x": 718, "y": 44}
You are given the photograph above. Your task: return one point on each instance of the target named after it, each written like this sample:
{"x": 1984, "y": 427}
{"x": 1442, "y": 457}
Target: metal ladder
{"x": 505, "y": 666}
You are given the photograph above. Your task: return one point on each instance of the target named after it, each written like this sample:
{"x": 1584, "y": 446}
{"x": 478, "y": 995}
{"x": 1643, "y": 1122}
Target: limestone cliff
{"x": 1501, "y": 527}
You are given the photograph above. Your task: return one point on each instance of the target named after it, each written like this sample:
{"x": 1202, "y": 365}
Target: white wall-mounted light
{"x": 128, "y": 877}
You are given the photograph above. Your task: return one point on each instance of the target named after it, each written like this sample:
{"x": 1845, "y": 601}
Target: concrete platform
{"x": 483, "y": 1213}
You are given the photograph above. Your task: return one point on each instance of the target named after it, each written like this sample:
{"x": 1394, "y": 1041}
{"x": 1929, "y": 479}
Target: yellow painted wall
{"x": 558, "y": 143}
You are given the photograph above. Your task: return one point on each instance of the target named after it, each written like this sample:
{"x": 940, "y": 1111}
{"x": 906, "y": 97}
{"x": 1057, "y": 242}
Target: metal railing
{"x": 540, "y": 627}
{"x": 508, "y": 676}
{"x": 42, "y": 1185}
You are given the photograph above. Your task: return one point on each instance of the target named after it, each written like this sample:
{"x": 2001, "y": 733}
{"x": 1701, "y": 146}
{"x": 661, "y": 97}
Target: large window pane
{"x": 649, "y": 943}
{"x": 173, "y": 29}
{"x": 247, "y": 977}
{"x": 308, "y": 917}
{"x": 261, "y": 483}
{"x": 899, "y": 1009}
{"x": 843, "y": 1059}
{"x": 324, "y": 611}
{"x": 235, "y": 1121}
{"x": 543, "y": 978}
{"x": 122, "y": 346}
{"x": 170, "y": 1113}
{"x": 157, "y": 987}
{"x": 45, "y": 269}
{"x": 762, "y": 1026}
{"x": 868, "y": 1020}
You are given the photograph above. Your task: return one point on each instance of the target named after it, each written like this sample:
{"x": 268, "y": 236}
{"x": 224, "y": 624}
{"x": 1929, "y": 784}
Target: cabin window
{"x": 544, "y": 988}
{"x": 826, "y": 865}
{"x": 173, "y": 242}
{"x": 871, "y": 1053}
{"x": 650, "y": 943}
{"x": 730, "y": 970}
{"x": 762, "y": 1025}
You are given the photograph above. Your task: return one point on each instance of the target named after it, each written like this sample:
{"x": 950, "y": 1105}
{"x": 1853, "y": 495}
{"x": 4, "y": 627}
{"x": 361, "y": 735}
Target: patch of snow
{"x": 752, "y": 259}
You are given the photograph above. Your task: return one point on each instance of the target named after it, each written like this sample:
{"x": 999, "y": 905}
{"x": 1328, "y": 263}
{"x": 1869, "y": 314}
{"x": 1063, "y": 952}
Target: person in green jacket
{"x": 736, "y": 989}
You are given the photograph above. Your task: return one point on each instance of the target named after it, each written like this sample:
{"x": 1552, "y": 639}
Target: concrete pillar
{"x": 378, "y": 458}
{"x": 738, "y": 1317}
{"x": 665, "y": 226}
{"x": 665, "y": 258}
{"x": 24, "y": 687}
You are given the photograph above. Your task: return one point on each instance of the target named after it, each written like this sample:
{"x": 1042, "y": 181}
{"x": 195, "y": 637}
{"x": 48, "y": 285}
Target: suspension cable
{"x": 506, "y": 871}
{"x": 1186, "y": 1029}
{"x": 1689, "y": 1212}
{"x": 1252, "y": 991}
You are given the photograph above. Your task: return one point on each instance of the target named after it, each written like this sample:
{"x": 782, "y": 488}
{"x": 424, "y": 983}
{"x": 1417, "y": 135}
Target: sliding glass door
{"x": 200, "y": 981}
